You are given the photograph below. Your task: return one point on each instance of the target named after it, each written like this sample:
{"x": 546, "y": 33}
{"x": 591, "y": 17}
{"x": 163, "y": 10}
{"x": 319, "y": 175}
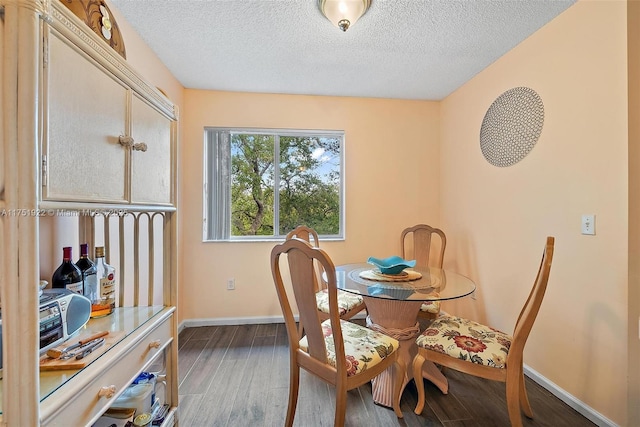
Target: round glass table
{"x": 393, "y": 304}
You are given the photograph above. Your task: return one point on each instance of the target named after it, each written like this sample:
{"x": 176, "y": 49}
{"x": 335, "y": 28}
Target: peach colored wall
{"x": 496, "y": 219}
{"x": 391, "y": 149}
{"x": 633, "y": 55}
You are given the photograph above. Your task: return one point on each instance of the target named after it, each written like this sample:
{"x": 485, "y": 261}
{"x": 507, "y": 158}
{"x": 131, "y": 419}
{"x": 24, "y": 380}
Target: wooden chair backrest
{"x": 532, "y": 306}
{"x": 421, "y": 248}
{"x": 305, "y": 233}
{"x": 310, "y": 235}
{"x": 301, "y": 257}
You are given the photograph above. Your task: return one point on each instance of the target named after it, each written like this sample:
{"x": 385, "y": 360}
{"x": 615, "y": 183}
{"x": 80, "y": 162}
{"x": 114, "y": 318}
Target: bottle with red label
{"x": 67, "y": 276}
{"x": 105, "y": 299}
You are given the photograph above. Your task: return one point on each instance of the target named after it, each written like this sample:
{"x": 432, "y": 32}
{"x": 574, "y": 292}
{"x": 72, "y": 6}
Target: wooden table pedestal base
{"x": 399, "y": 319}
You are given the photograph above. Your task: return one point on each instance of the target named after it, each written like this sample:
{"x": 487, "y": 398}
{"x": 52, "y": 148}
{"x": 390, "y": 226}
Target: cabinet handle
{"x": 125, "y": 141}
{"x": 154, "y": 344}
{"x": 107, "y": 391}
{"x": 139, "y": 146}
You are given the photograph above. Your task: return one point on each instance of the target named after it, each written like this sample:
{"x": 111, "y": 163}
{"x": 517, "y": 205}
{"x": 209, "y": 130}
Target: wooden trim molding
{"x": 97, "y": 15}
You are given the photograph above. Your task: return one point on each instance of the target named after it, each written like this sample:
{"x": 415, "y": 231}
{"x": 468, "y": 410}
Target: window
{"x": 261, "y": 184}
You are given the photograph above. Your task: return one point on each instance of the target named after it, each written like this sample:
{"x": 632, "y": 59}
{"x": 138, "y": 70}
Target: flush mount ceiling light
{"x": 344, "y": 13}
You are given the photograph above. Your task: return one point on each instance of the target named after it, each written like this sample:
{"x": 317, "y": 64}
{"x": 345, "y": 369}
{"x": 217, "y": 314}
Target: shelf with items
{"x": 145, "y": 333}
{"x": 98, "y": 385}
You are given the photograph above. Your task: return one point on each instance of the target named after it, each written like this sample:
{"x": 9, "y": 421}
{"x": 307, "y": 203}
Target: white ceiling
{"x": 406, "y": 49}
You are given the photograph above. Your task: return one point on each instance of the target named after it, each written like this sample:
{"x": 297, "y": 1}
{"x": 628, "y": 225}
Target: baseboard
{"x": 583, "y": 409}
{"x": 229, "y": 321}
{"x": 586, "y": 411}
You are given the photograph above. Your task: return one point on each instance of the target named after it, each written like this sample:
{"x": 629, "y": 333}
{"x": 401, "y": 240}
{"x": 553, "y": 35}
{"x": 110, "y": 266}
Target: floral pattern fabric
{"x": 346, "y": 301}
{"x": 363, "y": 347}
{"x": 432, "y": 307}
{"x": 466, "y": 340}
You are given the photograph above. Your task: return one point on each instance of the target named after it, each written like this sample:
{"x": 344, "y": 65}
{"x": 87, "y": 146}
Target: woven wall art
{"x": 511, "y": 126}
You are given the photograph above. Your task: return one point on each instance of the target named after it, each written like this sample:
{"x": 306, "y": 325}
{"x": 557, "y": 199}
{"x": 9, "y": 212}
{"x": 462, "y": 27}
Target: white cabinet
{"x": 151, "y": 153}
{"x": 86, "y": 110}
{"x": 102, "y": 141}
{"x": 81, "y": 131}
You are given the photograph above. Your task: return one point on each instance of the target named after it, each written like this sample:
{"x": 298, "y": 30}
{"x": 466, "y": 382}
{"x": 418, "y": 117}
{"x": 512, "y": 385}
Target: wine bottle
{"x": 67, "y": 275}
{"x": 106, "y": 275}
{"x": 89, "y": 276}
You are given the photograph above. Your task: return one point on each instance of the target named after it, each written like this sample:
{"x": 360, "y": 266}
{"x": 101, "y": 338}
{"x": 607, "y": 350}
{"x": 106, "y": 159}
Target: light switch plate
{"x": 589, "y": 224}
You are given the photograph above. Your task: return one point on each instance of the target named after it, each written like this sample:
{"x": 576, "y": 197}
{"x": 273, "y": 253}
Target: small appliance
{"x": 62, "y": 314}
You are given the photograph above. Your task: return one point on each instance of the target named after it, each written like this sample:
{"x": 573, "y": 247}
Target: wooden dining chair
{"x": 479, "y": 350}
{"x": 337, "y": 351}
{"x": 348, "y": 304}
{"x": 416, "y": 244}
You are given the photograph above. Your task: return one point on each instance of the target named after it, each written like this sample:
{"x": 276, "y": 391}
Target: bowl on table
{"x": 391, "y": 265}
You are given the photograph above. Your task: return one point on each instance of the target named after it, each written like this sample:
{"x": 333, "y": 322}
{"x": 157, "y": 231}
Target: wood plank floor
{"x": 238, "y": 376}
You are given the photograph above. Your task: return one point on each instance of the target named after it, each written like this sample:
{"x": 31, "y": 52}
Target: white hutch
{"x": 85, "y": 135}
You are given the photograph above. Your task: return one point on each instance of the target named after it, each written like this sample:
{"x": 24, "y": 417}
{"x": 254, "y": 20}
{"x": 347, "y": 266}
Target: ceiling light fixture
{"x": 344, "y": 13}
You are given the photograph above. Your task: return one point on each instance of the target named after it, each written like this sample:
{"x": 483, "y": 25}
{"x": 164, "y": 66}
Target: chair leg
{"x": 341, "y": 403}
{"x": 399, "y": 369}
{"x": 294, "y": 384}
{"x": 418, "y": 361}
{"x": 513, "y": 400}
{"x": 524, "y": 399}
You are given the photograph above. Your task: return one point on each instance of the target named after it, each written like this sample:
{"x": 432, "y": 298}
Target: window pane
{"x": 252, "y": 185}
{"x": 262, "y": 183}
{"x": 309, "y": 189}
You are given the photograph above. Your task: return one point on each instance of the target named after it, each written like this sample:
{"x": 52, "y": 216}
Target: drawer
{"x": 123, "y": 363}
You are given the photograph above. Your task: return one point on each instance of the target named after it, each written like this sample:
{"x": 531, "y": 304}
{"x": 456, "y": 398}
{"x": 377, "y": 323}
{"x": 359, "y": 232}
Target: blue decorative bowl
{"x": 392, "y": 265}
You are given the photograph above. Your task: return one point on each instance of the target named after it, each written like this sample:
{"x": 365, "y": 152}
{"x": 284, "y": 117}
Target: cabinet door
{"x": 151, "y": 169}
{"x": 86, "y": 115}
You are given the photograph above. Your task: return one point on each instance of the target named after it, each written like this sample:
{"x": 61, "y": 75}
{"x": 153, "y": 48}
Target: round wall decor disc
{"x": 511, "y": 126}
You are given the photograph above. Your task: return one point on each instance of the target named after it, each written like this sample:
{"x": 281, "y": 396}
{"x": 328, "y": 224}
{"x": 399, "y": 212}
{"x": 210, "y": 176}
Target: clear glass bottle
{"x": 67, "y": 275}
{"x": 89, "y": 276}
{"x": 106, "y": 286}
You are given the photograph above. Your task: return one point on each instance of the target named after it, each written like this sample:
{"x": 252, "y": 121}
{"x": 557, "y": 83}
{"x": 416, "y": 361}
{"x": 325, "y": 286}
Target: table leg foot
{"x": 382, "y": 387}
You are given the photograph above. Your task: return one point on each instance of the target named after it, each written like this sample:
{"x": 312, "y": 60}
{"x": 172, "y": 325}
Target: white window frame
{"x": 217, "y": 226}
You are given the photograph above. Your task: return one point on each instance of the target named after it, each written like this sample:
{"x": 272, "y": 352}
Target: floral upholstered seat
{"x": 363, "y": 347}
{"x": 467, "y": 340}
{"x": 346, "y": 301}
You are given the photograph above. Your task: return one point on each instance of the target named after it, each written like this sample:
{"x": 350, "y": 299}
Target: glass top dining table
{"x": 415, "y": 284}
{"x": 393, "y": 304}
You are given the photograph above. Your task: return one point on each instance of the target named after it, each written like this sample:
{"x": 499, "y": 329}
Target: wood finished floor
{"x": 238, "y": 376}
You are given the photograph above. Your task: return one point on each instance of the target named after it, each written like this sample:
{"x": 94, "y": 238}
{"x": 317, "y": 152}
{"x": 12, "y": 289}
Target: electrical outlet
{"x": 231, "y": 284}
{"x": 589, "y": 224}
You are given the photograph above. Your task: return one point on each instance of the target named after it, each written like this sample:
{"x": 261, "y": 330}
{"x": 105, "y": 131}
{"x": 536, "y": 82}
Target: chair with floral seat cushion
{"x": 416, "y": 244}
{"x": 479, "y": 350}
{"x": 348, "y": 304}
{"x": 341, "y": 353}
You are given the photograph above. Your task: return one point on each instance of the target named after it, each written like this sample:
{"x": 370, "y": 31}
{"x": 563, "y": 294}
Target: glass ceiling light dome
{"x": 344, "y": 13}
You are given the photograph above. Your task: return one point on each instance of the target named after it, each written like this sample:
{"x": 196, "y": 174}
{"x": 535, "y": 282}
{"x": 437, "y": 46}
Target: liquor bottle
{"x": 106, "y": 286}
{"x": 67, "y": 275}
{"x": 89, "y": 276}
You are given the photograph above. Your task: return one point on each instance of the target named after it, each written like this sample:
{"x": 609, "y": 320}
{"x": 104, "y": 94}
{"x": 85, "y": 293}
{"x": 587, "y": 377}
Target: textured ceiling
{"x": 407, "y": 49}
